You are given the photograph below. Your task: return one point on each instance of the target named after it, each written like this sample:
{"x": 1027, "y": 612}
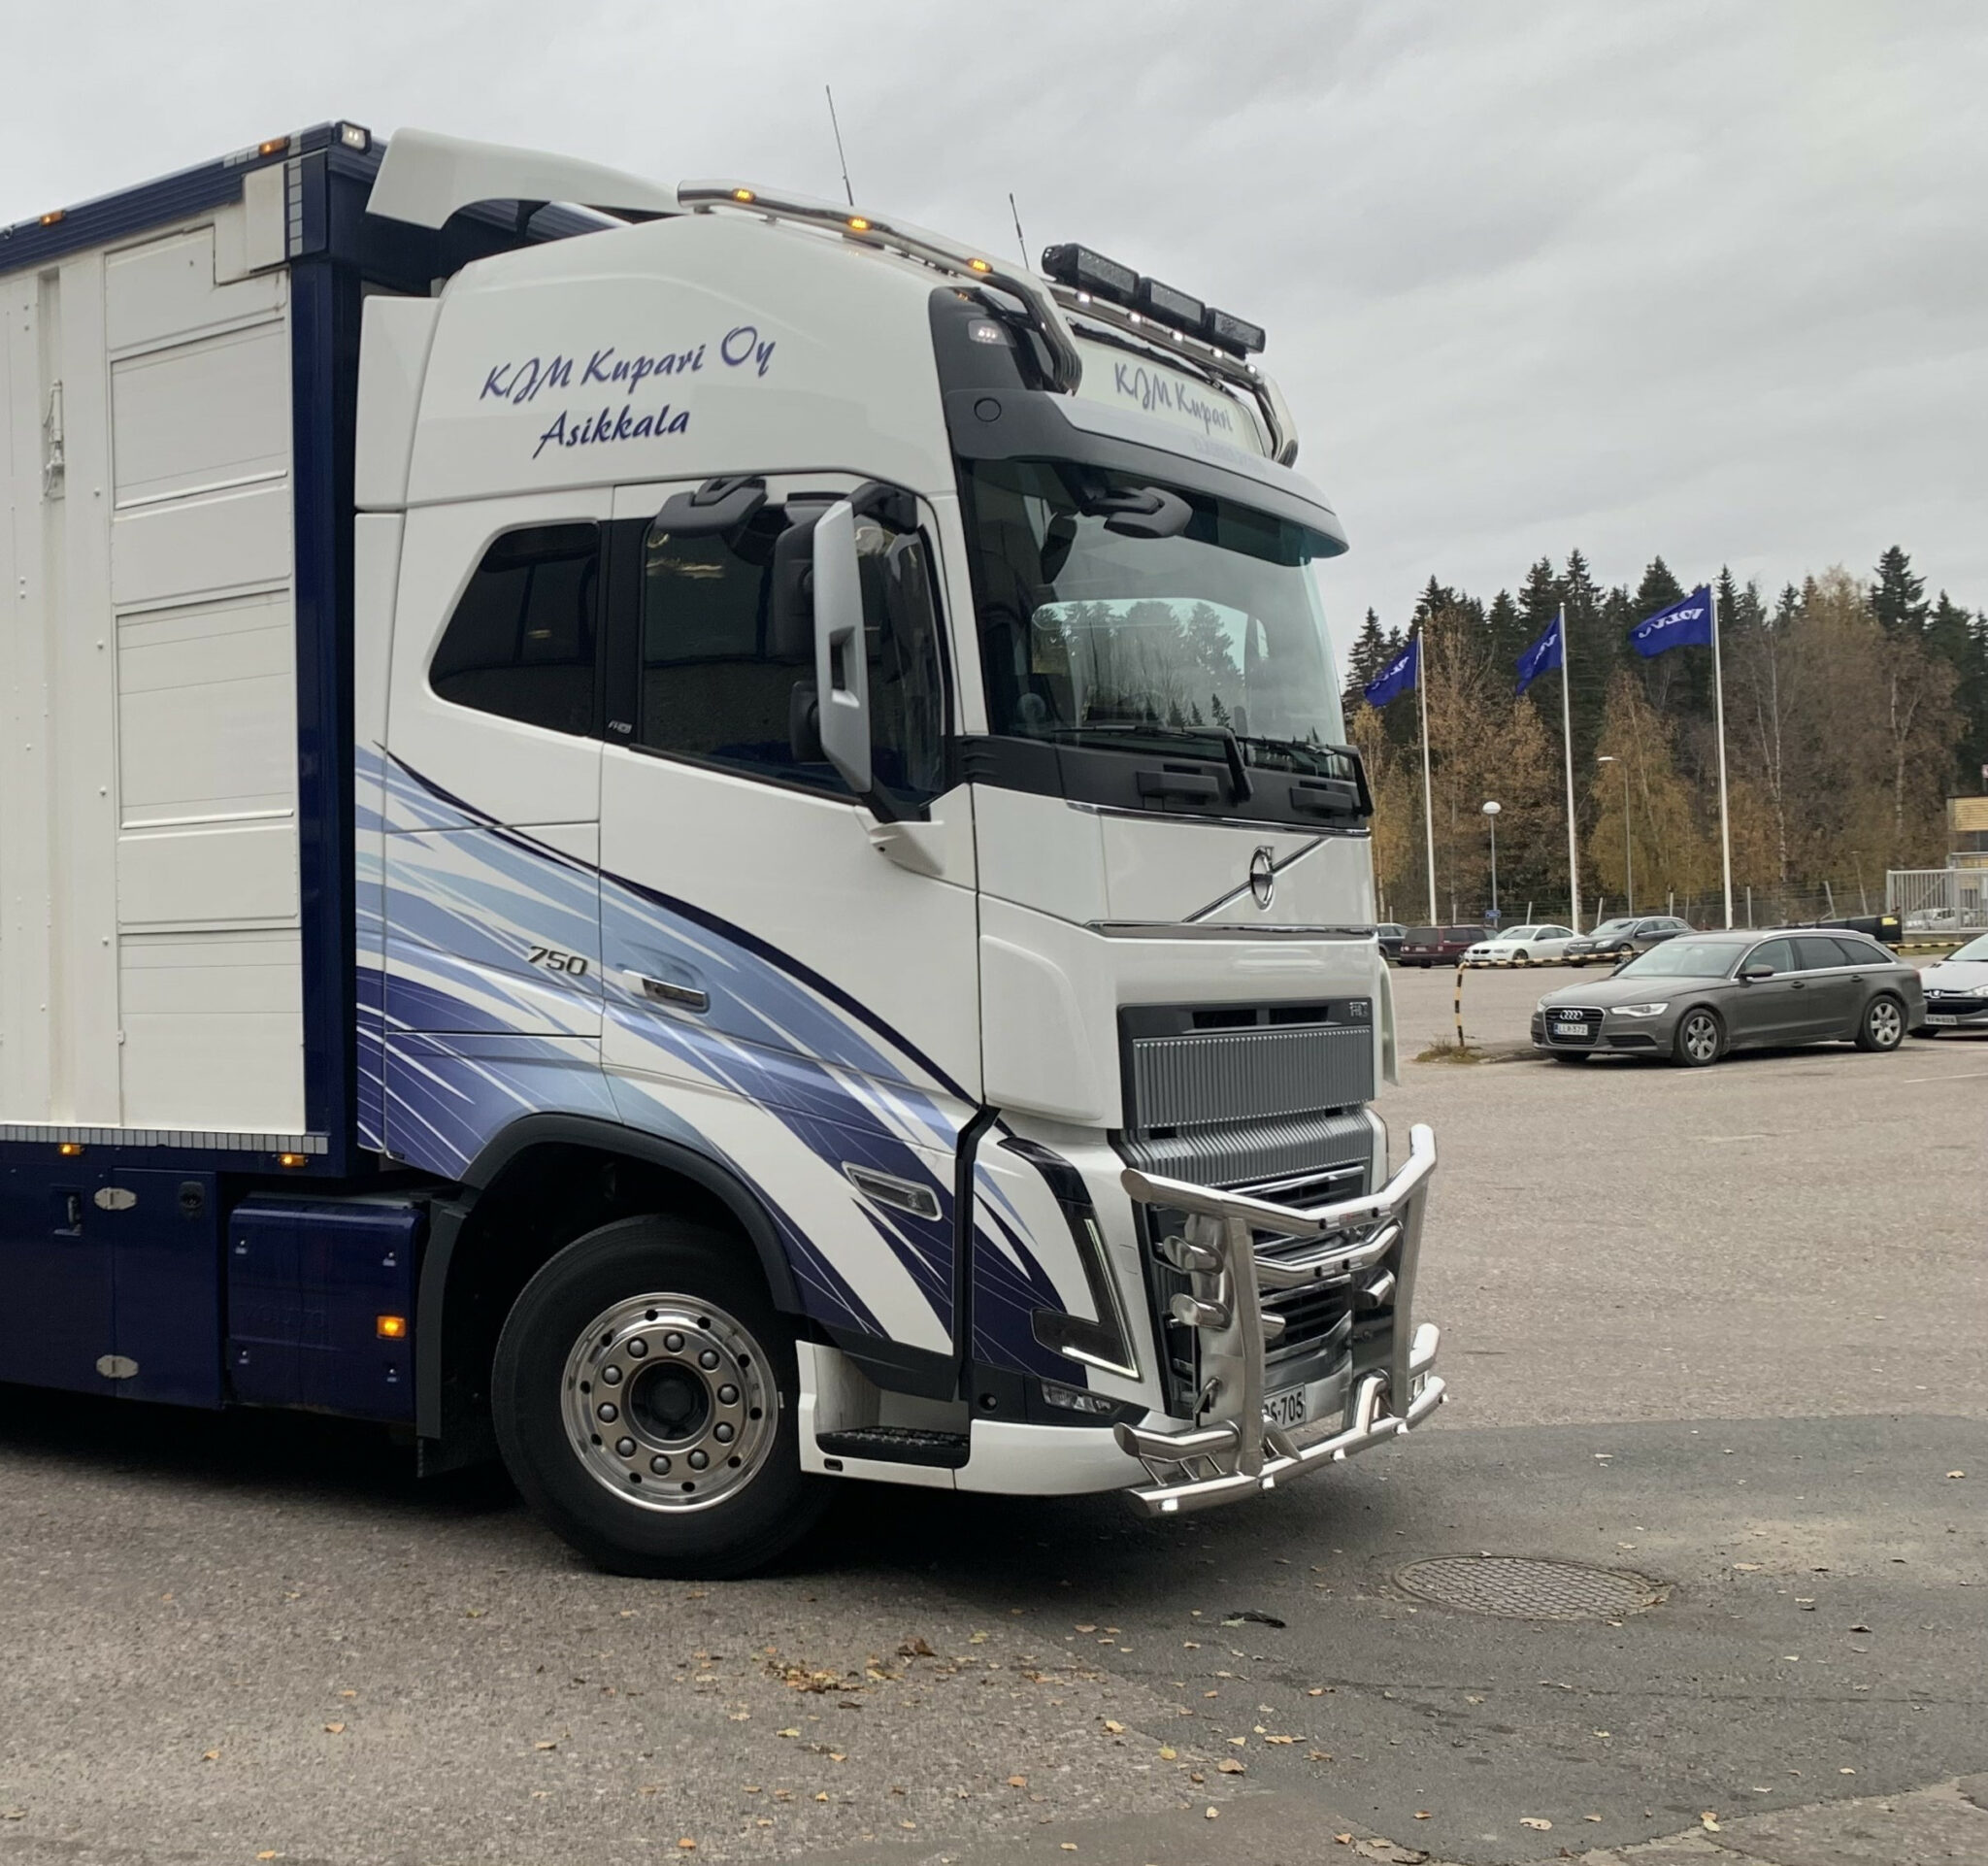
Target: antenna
{"x": 839, "y": 156}
{"x": 1020, "y": 239}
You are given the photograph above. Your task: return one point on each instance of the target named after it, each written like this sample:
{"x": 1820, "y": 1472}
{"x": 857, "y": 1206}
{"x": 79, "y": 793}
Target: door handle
{"x": 679, "y": 997}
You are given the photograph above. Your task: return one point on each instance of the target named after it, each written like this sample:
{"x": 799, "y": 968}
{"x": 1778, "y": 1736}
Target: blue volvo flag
{"x": 1400, "y": 676}
{"x": 1543, "y": 657}
{"x": 1686, "y": 623}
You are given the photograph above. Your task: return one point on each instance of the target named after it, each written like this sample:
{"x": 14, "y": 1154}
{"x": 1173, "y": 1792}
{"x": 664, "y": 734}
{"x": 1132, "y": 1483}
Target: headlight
{"x": 1641, "y": 1010}
{"x": 1540, "y": 1008}
{"x": 1978, "y": 992}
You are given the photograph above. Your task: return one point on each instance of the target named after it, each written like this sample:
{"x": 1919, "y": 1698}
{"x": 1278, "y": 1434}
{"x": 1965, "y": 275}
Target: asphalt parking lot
{"x": 1721, "y": 1329}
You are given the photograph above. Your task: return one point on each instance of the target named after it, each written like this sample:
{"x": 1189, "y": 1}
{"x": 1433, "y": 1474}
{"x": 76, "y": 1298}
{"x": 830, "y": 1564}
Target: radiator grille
{"x": 1203, "y": 1075}
{"x": 1249, "y": 1153}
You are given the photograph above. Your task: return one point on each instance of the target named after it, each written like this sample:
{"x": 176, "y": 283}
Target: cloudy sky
{"x": 1700, "y": 277}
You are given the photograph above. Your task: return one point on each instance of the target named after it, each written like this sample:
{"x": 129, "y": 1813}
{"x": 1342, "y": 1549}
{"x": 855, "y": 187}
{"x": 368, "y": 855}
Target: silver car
{"x": 1701, "y": 994}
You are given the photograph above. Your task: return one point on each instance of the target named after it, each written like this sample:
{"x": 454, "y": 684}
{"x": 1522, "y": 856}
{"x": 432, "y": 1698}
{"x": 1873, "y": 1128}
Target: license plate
{"x": 1574, "y": 1029}
{"x": 1286, "y": 1408}
{"x": 1940, "y": 1016}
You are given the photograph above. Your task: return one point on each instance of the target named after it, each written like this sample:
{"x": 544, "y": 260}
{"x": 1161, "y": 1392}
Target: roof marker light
{"x": 69, "y": 1150}
{"x": 980, "y": 265}
{"x": 355, "y": 136}
{"x": 743, "y": 194}
{"x": 54, "y": 215}
{"x": 856, "y": 223}
{"x": 292, "y": 1159}
{"x": 272, "y": 145}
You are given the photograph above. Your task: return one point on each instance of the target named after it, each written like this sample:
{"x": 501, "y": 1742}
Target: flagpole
{"x": 1428, "y": 796}
{"x": 1566, "y": 743}
{"x": 1719, "y": 708}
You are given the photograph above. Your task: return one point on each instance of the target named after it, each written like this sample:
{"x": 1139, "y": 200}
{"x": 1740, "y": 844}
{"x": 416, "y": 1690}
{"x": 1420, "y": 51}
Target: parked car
{"x": 1691, "y": 1000}
{"x": 1956, "y": 991}
{"x": 1518, "y": 945}
{"x": 1616, "y": 940}
{"x": 1390, "y": 937}
{"x": 1436, "y": 944}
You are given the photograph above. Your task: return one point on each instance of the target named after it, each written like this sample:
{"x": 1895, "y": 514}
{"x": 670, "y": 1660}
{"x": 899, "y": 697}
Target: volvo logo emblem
{"x": 1263, "y": 876}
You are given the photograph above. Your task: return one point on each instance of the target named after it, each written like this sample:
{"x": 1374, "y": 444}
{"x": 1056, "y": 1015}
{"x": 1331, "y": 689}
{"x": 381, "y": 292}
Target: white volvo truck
{"x": 683, "y": 834}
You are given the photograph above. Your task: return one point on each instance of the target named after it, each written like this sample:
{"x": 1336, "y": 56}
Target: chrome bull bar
{"x": 1231, "y": 1450}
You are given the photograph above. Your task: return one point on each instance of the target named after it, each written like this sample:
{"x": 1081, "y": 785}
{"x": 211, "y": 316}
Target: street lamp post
{"x": 1628, "y": 846}
{"x": 1491, "y": 816}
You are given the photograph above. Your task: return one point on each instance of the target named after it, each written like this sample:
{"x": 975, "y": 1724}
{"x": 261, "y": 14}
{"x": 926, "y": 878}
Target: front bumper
{"x": 1232, "y": 1450}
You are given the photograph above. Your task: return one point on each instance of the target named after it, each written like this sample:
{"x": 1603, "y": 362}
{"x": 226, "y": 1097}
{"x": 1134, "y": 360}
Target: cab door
{"x": 789, "y": 967}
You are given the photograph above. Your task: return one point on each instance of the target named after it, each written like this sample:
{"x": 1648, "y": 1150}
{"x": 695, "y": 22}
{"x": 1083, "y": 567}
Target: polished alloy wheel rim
{"x": 1886, "y": 1025}
{"x": 1701, "y": 1038}
{"x": 669, "y": 1402}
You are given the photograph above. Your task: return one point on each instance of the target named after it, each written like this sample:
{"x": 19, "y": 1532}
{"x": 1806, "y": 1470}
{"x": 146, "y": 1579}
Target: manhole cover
{"x": 1519, "y": 1587}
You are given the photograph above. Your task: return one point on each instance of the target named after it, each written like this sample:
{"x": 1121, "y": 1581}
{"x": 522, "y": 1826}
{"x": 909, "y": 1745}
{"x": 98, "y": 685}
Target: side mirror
{"x": 842, "y": 660}
{"x": 1754, "y": 974}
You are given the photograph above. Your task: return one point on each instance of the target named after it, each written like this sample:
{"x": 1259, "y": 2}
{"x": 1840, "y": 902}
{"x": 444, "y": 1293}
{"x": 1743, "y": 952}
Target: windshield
{"x": 1683, "y": 959}
{"x": 1095, "y": 637}
{"x": 1611, "y": 929}
{"x": 1975, "y": 952}
{"x": 1519, "y": 933}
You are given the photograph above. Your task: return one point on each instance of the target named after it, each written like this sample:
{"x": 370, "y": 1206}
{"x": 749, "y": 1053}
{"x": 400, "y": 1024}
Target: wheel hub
{"x": 669, "y": 1402}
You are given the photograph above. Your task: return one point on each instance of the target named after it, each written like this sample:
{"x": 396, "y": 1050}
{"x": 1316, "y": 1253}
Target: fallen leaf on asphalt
{"x": 209, "y": 1756}
{"x": 1747, "y": 1567}
{"x": 1534, "y": 1820}
{"x": 269, "y": 1853}
{"x": 1320, "y": 1755}
{"x": 788, "y": 1733}
{"x": 1423, "y": 1814}
{"x": 836, "y": 1755}
{"x": 915, "y": 1648}
{"x": 1067, "y": 1845}
{"x": 1249, "y": 1617}
{"x": 1710, "y": 1821}
{"x": 1846, "y": 1771}
{"x": 1859, "y": 1628}
{"x": 1212, "y": 1813}
{"x": 545, "y": 1746}
{"x": 1229, "y": 1766}
{"x": 13, "y": 1814}
{"x": 1280, "y": 1740}
{"x": 335, "y": 1730}
{"x": 822, "y": 1796}
{"x": 1169, "y": 1755}
{"x": 1591, "y": 1818}
{"x": 1117, "y": 1728}
{"x": 738, "y": 1717}
{"x": 687, "y": 1846}
{"x": 976, "y": 1639}
{"x": 1017, "y": 1781}
{"x": 1240, "y": 1743}
{"x": 1956, "y": 1474}
{"x": 1317, "y": 1691}
{"x": 1087, "y": 1630}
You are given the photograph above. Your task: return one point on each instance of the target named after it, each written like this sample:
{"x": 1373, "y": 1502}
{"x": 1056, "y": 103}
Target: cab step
{"x": 897, "y": 1444}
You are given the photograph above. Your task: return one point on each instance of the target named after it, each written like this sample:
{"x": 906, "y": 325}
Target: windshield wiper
{"x": 1240, "y": 785}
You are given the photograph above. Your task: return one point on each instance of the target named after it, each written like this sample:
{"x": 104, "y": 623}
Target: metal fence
{"x": 1937, "y": 900}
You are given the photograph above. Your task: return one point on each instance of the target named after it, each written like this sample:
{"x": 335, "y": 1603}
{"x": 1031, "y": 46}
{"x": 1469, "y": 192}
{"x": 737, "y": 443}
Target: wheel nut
{"x": 722, "y": 1432}
{"x": 607, "y": 1412}
{"x": 624, "y": 1448}
{"x": 709, "y": 1360}
{"x": 637, "y": 1348}
{"x": 610, "y": 1376}
{"x": 660, "y": 1465}
{"x": 699, "y": 1459}
{"x": 674, "y": 1343}
{"x": 728, "y": 1394}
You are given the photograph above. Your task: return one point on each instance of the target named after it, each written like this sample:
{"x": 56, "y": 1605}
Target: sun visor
{"x": 424, "y": 179}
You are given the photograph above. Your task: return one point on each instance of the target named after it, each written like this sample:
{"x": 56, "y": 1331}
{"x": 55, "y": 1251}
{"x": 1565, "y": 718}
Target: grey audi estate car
{"x": 1695, "y": 997}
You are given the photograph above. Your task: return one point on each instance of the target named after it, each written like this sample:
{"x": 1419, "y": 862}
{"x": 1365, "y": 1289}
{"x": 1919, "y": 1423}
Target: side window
{"x": 522, "y": 640}
{"x": 1819, "y": 953}
{"x": 718, "y": 684}
{"x": 1779, "y": 953}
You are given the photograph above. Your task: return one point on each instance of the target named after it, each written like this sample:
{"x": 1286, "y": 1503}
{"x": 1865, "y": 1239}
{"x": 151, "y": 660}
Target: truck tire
{"x": 643, "y": 1393}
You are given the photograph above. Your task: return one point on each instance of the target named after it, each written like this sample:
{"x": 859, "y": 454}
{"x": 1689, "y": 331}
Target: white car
{"x": 1517, "y": 945}
{"x": 1957, "y": 990}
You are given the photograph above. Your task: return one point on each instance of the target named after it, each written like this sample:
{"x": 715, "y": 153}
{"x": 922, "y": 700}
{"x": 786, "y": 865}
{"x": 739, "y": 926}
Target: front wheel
{"x": 644, "y": 1393}
{"x": 1520, "y": 957}
{"x": 1883, "y": 1026}
{"x": 1701, "y": 1038}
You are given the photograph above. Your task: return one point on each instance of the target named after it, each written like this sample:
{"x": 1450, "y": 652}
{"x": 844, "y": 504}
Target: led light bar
{"x": 1084, "y": 270}
{"x": 1169, "y": 306}
{"x": 1232, "y": 333}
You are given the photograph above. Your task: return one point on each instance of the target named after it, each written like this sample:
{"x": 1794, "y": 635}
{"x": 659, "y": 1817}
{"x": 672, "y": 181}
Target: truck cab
{"x": 862, "y": 944}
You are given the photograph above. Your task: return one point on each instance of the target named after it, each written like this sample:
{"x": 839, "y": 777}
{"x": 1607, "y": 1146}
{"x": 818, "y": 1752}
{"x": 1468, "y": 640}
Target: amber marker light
{"x": 980, "y": 265}
{"x": 857, "y": 225}
{"x": 272, "y": 144}
{"x": 291, "y": 1159}
{"x": 743, "y": 194}
{"x": 390, "y": 1328}
{"x": 69, "y": 1150}
{"x": 50, "y": 219}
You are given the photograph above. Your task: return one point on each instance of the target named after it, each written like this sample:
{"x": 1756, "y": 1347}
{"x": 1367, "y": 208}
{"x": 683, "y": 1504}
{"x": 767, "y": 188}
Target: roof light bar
{"x": 1084, "y": 270}
{"x": 929, "y": 248}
